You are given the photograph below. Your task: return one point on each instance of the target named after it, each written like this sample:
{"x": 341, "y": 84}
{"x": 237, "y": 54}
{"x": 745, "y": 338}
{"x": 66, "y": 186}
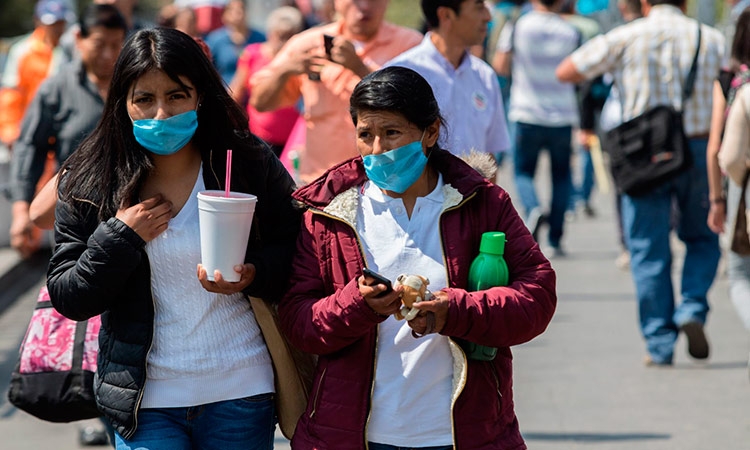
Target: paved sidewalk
{"x": 581, "y": 385}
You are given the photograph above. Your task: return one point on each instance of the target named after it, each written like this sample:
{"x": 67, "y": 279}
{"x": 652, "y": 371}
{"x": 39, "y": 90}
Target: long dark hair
{"x": 109, "y": 166}
{"x": 741, "y": 42}
{"x": 396, "y": 89}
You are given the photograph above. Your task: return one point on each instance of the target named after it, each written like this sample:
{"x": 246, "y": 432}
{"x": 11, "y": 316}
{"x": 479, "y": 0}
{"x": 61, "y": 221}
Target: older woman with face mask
{"x": 406, "y": 206}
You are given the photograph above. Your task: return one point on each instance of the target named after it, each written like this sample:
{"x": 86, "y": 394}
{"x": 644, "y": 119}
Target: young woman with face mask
{"x": 182, "y": 361}
{"x": 406, "y": 206}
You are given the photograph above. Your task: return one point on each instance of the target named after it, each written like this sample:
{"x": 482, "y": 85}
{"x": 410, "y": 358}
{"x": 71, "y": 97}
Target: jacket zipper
{"x": 145, "y": 368}
{"x": 372, "y": 385}
{"x": 374, "y": 362}
{"x": 447, "y": 277}
{"x": 496, "y": 376}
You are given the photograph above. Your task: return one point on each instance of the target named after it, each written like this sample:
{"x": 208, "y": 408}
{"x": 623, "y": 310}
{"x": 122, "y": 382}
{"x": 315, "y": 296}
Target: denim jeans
{"x": 246, "y": 423}
{"x": 647, "y": 222}
{"x": 374, "y": 446}
{"x": 529, "y": 141}
{"x": 582, "y": 191}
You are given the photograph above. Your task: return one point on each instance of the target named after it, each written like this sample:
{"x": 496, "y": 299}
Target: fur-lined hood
{"x": 335, "y": 192}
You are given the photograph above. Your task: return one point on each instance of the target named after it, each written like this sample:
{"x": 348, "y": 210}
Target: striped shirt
{"x": 650, "y": 59}
{"x": 540, "y": 42}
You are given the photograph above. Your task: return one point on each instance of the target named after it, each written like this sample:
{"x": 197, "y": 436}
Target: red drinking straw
{"x": 228, "y": 179}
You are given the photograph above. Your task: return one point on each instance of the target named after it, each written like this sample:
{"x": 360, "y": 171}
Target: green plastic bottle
{"x": 294, "y": 158}
{"x": 488, "y": 269}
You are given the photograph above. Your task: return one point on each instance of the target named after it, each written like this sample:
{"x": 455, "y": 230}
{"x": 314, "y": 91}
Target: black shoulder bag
{"x": 652, "y": 148}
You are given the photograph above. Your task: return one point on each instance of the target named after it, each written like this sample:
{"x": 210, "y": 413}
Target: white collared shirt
{"x": 468, "y": 96}
{"x": 411, "y": 402}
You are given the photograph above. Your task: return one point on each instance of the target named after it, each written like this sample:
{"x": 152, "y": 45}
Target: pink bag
{"x": 54, "y": 378}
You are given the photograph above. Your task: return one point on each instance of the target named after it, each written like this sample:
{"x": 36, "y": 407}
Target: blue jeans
{"x": 374, "y": 446}
{"x": 246, "y": 423}
{"x": 505, "y": 94}
{"x": 582, "y": 192}
{"x": 529, "y": 141}
{"x": 646, "y": 223}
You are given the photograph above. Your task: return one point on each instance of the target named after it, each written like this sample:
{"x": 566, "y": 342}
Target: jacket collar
{"x": 335, "y": 192}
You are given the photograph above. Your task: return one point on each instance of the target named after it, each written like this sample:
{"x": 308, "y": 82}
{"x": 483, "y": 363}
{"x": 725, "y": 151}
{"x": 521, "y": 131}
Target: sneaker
{"x": 534, "y": 222}
{"x": 588, "y": 211}
{"x": 648, "y": 361}
{"x": 557, "y": 252}
{"x": 697, "y": 343}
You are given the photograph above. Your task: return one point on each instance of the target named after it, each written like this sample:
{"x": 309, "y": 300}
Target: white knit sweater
{"x": 207, "y": 347}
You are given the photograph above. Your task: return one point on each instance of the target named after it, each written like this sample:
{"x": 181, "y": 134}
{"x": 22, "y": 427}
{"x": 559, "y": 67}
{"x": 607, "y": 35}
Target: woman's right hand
{"x": 148, "y": 218}
{"x": 384, "y": 306}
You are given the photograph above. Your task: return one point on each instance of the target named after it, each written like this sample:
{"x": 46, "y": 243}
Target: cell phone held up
{"x": 327, "y": 45}
{"x": 379, "y": 279}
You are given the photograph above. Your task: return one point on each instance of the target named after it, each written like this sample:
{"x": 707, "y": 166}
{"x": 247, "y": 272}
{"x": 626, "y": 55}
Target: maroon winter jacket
{"x": 323, "y": 312}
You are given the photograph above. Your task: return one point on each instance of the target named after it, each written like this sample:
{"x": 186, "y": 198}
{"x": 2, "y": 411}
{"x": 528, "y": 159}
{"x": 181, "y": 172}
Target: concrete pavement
{"x": 581, "y": 385}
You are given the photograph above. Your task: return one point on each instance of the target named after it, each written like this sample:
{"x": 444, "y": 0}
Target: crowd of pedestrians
{"x": 375, "y": 125}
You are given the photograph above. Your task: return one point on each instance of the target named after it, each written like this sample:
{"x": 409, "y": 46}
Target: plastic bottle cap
{"x": 493, "y": 242}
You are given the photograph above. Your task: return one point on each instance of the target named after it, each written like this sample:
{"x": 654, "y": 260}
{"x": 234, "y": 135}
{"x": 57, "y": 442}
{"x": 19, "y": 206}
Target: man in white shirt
{"x": 465, "y": 86}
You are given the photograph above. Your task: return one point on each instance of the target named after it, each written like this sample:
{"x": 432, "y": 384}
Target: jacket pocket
{"x": 316, "y": 393}
{"x": 498, "y": 390}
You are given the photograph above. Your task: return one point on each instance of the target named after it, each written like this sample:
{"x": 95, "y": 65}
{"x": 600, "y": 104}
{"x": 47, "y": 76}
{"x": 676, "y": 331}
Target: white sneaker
{"x": 534, "y": 222}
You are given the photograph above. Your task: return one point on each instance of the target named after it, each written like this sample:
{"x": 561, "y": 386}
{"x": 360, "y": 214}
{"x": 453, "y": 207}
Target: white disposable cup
{"x": 225, "y": 224}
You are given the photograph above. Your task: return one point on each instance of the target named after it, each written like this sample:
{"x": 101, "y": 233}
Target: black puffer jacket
{"x": 102, "y": 268}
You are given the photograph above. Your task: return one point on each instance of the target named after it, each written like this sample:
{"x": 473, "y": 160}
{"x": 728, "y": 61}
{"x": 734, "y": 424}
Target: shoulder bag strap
{"x": 687, "y": 89}
{"x": 79, "y": 345}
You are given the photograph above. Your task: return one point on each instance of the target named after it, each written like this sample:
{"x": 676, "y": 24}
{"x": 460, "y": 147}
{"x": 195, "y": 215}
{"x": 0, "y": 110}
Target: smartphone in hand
{"x": 379, "y": 279}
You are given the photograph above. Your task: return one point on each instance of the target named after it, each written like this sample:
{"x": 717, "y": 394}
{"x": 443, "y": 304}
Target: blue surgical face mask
{"x": 166, "y": 136}
{"x": 397, "y": 169}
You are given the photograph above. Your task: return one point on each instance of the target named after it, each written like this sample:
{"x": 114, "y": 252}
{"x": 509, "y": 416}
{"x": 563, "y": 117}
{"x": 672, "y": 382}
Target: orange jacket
{"x": 30, "y": 61}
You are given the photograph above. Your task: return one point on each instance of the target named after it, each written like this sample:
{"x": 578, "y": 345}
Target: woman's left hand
{"x": 220, "y": 286}
{"x": 437, "y": 306}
